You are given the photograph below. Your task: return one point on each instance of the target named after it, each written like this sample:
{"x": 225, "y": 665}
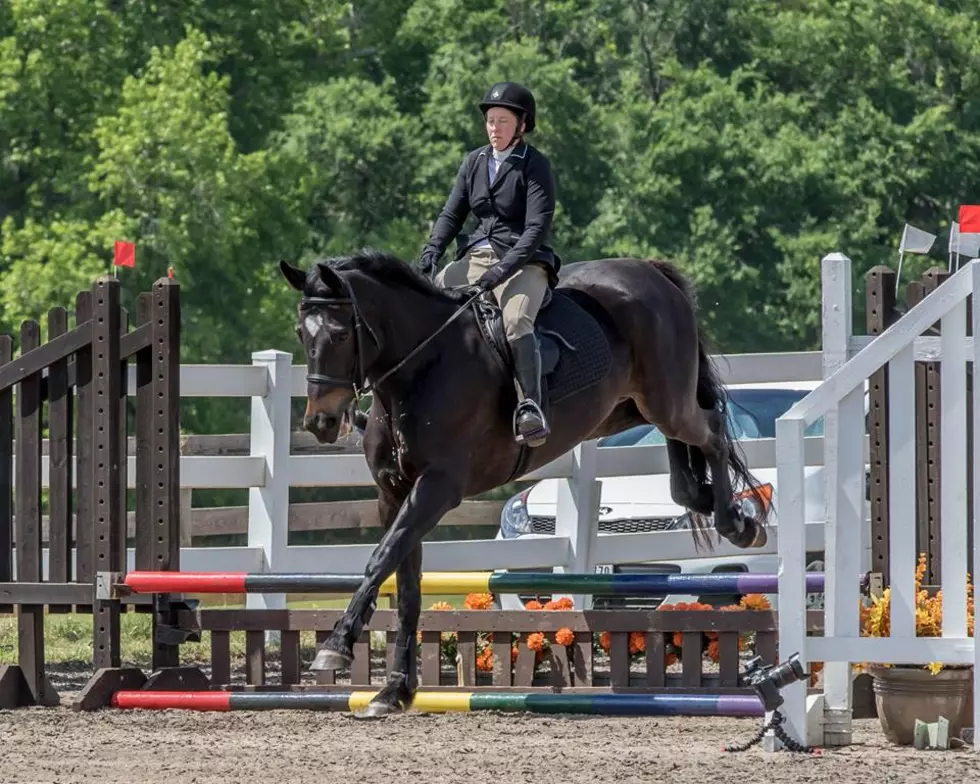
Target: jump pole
{"x": 445, "y": 702}
{"x": 146, "y": 582}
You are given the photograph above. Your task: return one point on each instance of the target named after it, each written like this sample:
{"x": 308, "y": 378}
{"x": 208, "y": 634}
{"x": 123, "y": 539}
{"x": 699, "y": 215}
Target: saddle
{"x": 575, "y": 352}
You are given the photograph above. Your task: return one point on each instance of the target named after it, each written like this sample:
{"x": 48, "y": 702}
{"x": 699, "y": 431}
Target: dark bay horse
{"x": 440, "y": 424}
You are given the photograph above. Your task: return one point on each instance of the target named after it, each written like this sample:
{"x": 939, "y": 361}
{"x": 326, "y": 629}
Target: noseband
{"x": 359, "y": 383}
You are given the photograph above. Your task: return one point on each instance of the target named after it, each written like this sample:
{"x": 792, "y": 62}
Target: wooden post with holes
{"x": 881, "y": 314}
{"x": 155, "y": 345}
{"x": 928, "y": 446}
{"x": 109, "y": 557}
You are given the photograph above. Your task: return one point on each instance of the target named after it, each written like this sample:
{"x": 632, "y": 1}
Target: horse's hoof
{"x": 377, "y": 710}
{"x": 761, "y": 537}
{"x": 327, "y": 659}
{"x": 751, "y": 536}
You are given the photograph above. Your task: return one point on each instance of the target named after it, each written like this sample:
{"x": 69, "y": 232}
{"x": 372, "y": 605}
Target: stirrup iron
{"x": 536, "y": 437}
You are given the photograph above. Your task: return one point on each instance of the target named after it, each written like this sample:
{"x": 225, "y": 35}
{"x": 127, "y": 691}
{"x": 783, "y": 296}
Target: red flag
{"x": 125, "y": 254}
{"x": 969, "y": 218}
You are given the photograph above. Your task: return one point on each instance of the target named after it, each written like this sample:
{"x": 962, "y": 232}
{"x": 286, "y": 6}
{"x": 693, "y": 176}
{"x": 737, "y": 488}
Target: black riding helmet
{"x": 514, "y": 96}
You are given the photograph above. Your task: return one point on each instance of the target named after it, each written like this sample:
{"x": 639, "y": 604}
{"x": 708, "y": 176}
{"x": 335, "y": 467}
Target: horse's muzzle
{"x": 324, "y": 427}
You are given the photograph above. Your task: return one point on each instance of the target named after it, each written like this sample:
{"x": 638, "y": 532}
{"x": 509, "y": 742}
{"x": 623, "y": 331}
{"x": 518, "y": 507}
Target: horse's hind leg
{"x": 704, "y": 430}
{"x": 687, "y": 488}
{"x": 729, "y": 520}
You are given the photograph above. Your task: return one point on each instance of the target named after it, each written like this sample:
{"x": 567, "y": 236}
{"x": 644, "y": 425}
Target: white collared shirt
{"x": 493, "y": 166}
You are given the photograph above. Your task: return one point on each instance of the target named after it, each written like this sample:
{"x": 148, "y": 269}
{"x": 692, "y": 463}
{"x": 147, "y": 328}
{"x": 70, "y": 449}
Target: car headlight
{"x": 514, "y": 519}
{"x": 749, "y": 502}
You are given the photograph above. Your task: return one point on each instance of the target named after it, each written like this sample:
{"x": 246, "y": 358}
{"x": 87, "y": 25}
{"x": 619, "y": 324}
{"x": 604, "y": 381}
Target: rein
{"x": 357, "y": 382}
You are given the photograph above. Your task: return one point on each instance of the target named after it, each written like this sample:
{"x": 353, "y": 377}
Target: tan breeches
{"x": 519, "y": 297}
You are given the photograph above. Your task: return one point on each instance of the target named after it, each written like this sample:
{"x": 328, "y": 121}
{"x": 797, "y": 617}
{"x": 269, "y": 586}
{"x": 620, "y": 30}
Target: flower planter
{"x": 904, "y": 694}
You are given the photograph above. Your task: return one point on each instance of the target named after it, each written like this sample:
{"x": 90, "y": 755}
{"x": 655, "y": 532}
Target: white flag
{"x": 916, "y": 240}
{"x": 963, "y": 244}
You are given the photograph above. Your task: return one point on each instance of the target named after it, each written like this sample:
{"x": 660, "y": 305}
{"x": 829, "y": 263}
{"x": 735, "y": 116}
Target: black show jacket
{"x": 514, "y": 213}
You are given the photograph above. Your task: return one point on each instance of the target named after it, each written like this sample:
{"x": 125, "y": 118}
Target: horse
{"x": 621, "y": 347}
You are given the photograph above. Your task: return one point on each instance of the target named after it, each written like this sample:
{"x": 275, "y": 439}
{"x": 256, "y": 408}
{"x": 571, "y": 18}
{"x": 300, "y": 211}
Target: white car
{"x": 640, "y": 504}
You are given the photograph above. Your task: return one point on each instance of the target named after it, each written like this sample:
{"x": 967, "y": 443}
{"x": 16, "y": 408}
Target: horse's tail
{"x": 711, "y": 393}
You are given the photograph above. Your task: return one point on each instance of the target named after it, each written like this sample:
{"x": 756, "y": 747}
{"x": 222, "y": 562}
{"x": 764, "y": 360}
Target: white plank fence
{"x": 269, "y": 470}
{"x": 826, "y": 719}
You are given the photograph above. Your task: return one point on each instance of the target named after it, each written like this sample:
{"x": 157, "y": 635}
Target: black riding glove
{"x": 427, "y": 264}
{"x": 489, "y": 280}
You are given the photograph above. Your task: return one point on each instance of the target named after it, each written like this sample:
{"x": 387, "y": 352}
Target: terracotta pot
{"x": 904, "y": 694}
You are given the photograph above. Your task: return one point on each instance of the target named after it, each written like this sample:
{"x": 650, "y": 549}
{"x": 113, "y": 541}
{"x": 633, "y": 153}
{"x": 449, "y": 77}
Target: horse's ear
{"x": 294, "y": 276}
{"x": 330, "y": 277}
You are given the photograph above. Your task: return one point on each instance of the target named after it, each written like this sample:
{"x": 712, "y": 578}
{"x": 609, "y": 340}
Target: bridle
{"x": 359, "y": 382}
{"x": 337, "y": 382}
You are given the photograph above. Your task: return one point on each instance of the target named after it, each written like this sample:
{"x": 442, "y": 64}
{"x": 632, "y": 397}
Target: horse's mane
{"x": 389, "y": 269}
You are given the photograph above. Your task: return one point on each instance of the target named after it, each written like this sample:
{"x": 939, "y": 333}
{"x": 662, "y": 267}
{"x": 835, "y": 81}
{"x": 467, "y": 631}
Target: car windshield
{"x": 752, "y": 413}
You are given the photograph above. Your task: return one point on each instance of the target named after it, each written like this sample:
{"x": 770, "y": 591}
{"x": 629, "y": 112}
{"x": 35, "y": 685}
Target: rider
{"x": 509, "y": 187}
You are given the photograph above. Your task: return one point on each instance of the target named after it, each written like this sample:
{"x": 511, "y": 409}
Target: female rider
{"x": 509, "y": 187}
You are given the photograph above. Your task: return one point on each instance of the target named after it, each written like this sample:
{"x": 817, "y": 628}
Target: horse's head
{"x": 330, "y": 327}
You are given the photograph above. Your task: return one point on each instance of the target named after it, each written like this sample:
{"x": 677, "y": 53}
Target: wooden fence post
{"x": 880, "y": 315}
{"x": 928, "y": 387}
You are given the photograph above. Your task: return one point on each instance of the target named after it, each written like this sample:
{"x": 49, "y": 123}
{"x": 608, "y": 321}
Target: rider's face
{"x": 501, "y": 127}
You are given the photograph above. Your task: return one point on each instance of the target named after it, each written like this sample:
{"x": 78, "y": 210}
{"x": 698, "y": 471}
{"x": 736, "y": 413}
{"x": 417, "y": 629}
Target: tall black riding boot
{"x": 530, "y": 425}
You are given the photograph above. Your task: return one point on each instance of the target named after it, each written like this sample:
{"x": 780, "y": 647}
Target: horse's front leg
{"x": 398, "y": 692}
{"x": 435, "y": 492}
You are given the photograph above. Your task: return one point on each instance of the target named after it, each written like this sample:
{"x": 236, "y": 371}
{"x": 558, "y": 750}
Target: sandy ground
{"x": 59, "y": 746}
{"x": 145, "y": 747}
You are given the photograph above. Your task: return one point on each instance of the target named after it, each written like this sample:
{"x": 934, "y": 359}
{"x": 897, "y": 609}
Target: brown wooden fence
{"x": 75, "y": 384}
{"x": 882, "y": 311}
{"x": 652, "y": 650}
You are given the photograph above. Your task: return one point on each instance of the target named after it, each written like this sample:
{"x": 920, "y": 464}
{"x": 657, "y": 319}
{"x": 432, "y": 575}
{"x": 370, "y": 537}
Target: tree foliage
{"x": 742, "y": 140}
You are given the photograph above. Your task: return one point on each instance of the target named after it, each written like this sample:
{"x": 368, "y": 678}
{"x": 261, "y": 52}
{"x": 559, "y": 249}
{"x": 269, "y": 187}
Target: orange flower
{"x": 565, "y": 603}
{"x": 533, "y": 604}
{"x": 755, "y": 601}
{"x": 536, "y": 641}
{"x": 564, "y": 636}
{"x": 638, "y": 642}
{"x": 670, "y": 659}
{"x": 514, "y": 653}
{"x": 605, "y": 641}
{"x": 815, "y": 667}
{"x": 712, "y": 651}
{"x": 687, "y": 606}
{"x": 441, "y": 606}
{"x": 484, "y": 662}
{"x": 478, "y": 601}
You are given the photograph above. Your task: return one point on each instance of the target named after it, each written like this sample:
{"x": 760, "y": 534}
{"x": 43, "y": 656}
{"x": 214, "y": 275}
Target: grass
{"x": 68, "y": 637}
